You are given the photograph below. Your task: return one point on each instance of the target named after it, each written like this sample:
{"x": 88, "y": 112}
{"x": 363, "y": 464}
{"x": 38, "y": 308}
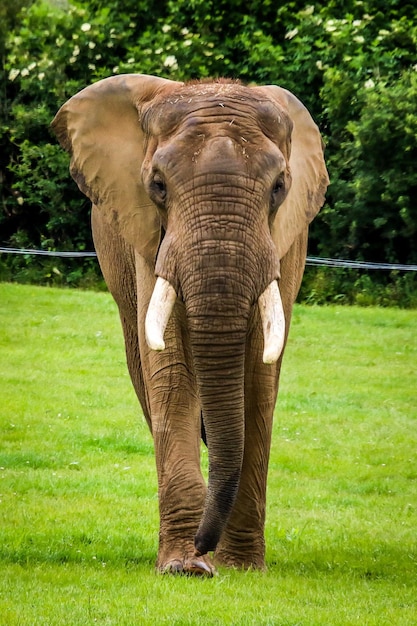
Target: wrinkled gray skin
{"x": 191, "y": 191}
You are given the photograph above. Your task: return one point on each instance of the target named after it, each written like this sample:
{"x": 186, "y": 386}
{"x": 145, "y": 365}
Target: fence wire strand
{"x": 55, "y": 253}
{"x": 311, "y": 260}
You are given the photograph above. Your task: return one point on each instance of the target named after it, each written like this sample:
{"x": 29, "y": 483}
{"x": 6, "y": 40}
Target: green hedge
{"x": 353, "y": 63}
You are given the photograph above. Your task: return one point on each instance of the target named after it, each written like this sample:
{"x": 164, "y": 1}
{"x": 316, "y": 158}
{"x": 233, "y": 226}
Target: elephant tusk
{"x": 159, "y": 311}
{"x": 273, "y": 322}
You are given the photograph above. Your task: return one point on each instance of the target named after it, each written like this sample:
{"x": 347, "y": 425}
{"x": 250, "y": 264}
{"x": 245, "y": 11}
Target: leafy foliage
{"x": 353, "y": 64}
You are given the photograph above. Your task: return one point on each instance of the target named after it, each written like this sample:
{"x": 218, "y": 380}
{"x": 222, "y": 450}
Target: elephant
{"x": 202, "y": 194}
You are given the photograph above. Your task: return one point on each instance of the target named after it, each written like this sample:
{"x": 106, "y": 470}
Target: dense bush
{"x": 327, "y": 285}
{"x": 353, "y": 63}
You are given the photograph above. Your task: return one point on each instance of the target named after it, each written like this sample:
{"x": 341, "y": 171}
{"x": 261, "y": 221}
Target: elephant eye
{"x": 277, "y": 193}
{"x": 158, "y": 188}
{"x": 278, "y": 185}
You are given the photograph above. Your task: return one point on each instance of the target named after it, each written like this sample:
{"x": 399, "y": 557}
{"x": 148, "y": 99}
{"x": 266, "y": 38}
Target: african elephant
{"x": 202, "y": 195}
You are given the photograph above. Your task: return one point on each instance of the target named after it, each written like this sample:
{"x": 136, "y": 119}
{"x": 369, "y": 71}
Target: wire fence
{"x": 360, "y": 265}
{"x": 311, "y": 260}
{"x": 29, "y": 251}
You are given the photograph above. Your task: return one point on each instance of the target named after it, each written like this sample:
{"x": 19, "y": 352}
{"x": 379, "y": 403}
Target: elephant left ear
{"x": 308, "y": 171}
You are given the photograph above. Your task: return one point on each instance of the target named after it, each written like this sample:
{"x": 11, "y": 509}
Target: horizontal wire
{"x": 360, "y": 265}
{"x": 55, "y": 253}
{"x": 314, "y": 261}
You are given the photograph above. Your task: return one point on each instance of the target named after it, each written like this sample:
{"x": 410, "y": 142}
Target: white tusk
{"x": 159, "y": 311}
{"x": 273, "y": 322}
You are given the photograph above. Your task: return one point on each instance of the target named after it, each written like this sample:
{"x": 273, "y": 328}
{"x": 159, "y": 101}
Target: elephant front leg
{"x": 243, "y": 544}
{"x": 181, "y": 491}
{"x": 175, "y": 414}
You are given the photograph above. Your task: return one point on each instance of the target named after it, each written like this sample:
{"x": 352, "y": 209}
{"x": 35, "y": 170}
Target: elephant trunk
{"x": 218, "y": 321}
{"x": 218, "y": 347}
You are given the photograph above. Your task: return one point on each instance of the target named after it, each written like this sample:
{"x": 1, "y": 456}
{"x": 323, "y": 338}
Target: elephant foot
{"x": 193, "y": 566}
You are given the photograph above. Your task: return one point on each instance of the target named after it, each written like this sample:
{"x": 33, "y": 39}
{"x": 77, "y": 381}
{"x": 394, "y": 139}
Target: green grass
{"x": 78, "y": 499}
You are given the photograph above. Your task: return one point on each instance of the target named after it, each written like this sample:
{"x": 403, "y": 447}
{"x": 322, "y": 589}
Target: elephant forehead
{"x": 221, "y": 141}
{"x": 219, "y": 151}
{"x": 217, "y": 108}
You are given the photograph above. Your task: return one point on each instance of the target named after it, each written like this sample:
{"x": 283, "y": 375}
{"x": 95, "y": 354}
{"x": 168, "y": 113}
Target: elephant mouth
{"x": 270, "y": 307}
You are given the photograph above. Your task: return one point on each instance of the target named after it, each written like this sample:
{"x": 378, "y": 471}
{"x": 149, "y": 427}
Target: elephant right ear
{"x": 100, "y": 128}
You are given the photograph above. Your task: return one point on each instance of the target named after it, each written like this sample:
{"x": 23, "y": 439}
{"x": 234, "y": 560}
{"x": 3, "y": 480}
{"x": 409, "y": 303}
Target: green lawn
{"x": 78, "y": 499}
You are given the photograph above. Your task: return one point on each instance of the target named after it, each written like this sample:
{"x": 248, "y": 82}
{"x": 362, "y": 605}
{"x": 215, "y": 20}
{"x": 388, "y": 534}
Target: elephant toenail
{"x": 173, "y": 567}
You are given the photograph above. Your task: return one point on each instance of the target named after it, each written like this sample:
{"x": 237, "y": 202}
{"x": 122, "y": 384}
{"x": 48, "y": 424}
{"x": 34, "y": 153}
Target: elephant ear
{"x": 308, "y": 171}
{"x": 100, "y": 128}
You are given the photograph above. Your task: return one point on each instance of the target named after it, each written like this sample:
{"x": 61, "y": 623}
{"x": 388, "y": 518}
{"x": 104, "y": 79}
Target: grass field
{"x": 78, "y": 500}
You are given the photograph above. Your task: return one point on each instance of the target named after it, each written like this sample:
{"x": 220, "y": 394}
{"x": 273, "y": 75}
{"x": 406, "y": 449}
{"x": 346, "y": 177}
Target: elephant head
{"x": 211, "y": 183}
